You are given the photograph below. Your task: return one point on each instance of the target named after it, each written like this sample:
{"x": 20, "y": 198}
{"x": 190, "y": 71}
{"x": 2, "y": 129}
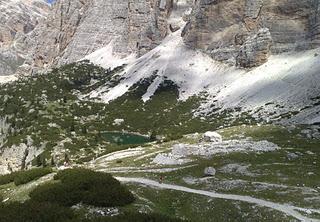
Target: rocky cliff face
{"x": 77, "y": 28}
{"x": 245, "y": 32}
{"x": 18, "y": 18}
{"x": 238, "y": 32}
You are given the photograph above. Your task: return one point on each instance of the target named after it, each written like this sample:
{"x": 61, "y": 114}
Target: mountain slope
{"x": 287, "y": 83}
{"x": 166, "y": 103}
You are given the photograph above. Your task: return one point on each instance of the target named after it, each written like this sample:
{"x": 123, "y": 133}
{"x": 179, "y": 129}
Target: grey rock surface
{"x": 18, "y": 18}
{"x": 224, "y": 29}
{"x": 255, "y": 50}
{"x": 228, "y": 30}
{"x": 9, "y": 61}
{"x": 76, "y": 28}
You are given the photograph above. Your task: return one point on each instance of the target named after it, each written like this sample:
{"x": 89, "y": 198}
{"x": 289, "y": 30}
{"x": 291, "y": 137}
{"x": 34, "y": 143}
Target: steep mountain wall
{"x": 246, "y": 32}
{"x": 77, "y": 28}
{"x": 238, "y": 32}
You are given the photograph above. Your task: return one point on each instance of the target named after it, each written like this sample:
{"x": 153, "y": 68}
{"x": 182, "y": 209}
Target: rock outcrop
{"x": 245, "y": 32}
{"x": 255, "y": 50}
{"x": 18, "y": 157}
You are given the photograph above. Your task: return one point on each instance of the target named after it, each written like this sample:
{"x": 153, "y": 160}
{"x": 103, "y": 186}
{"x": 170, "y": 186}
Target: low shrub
{"x": 85, "y": 186}
{"x": 8, "y": 178}
{"x": 24, "y": 177}
{"x": 35, "y": 212}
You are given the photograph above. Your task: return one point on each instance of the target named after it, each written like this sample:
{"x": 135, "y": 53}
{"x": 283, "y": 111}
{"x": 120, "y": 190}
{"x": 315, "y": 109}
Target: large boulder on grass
{"x": 209, "y": 171}
{"x": 212, "y": 137}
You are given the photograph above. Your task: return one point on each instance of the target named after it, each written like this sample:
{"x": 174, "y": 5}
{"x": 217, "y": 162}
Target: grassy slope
{"x": 273, "y": 176}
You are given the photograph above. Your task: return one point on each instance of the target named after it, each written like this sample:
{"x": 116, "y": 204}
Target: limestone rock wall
{"x": 255, "y": 50}
{"x": 238, "y": 32}
{"x": 77, "y": 28}
{"x": 52, "y": 37}
{"x": 230, "y": 30}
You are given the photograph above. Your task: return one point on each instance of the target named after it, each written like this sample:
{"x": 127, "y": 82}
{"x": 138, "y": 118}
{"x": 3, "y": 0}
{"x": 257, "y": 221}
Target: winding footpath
{"x": 286, "y": 209}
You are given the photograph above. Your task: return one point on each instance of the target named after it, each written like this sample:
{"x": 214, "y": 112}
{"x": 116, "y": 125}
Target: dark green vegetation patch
{"x": 31, "y": 211}
{"x": 52, "y": 202}
{"x": 135, "y": 217}
{"x": 122, "y": 138}
{"x": 23, "y": 177}
{"x": 83, "y": 186}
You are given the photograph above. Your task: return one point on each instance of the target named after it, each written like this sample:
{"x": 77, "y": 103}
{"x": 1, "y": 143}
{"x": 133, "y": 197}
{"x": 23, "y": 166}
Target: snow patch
{"x": 152, "y": 89}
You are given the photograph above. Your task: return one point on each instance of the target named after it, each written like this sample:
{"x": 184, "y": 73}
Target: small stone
{"x": 292, "y": 156}
{"x": 308, "y": 211}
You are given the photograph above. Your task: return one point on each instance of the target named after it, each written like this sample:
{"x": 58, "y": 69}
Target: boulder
{"x": 211, "y": 137}
{"x": 210, "y": 171}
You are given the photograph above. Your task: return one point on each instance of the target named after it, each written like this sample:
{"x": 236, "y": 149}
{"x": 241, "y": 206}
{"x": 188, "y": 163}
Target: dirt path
{"x": 286, "y": 209}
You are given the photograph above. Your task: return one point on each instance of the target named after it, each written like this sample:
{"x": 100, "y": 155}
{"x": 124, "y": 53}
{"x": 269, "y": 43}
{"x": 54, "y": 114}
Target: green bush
{"x": 24, "y": 177}
{"x": 34, "y": 212}
{"x": 8, "y": 178}
{"x": 85, "y": 186}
